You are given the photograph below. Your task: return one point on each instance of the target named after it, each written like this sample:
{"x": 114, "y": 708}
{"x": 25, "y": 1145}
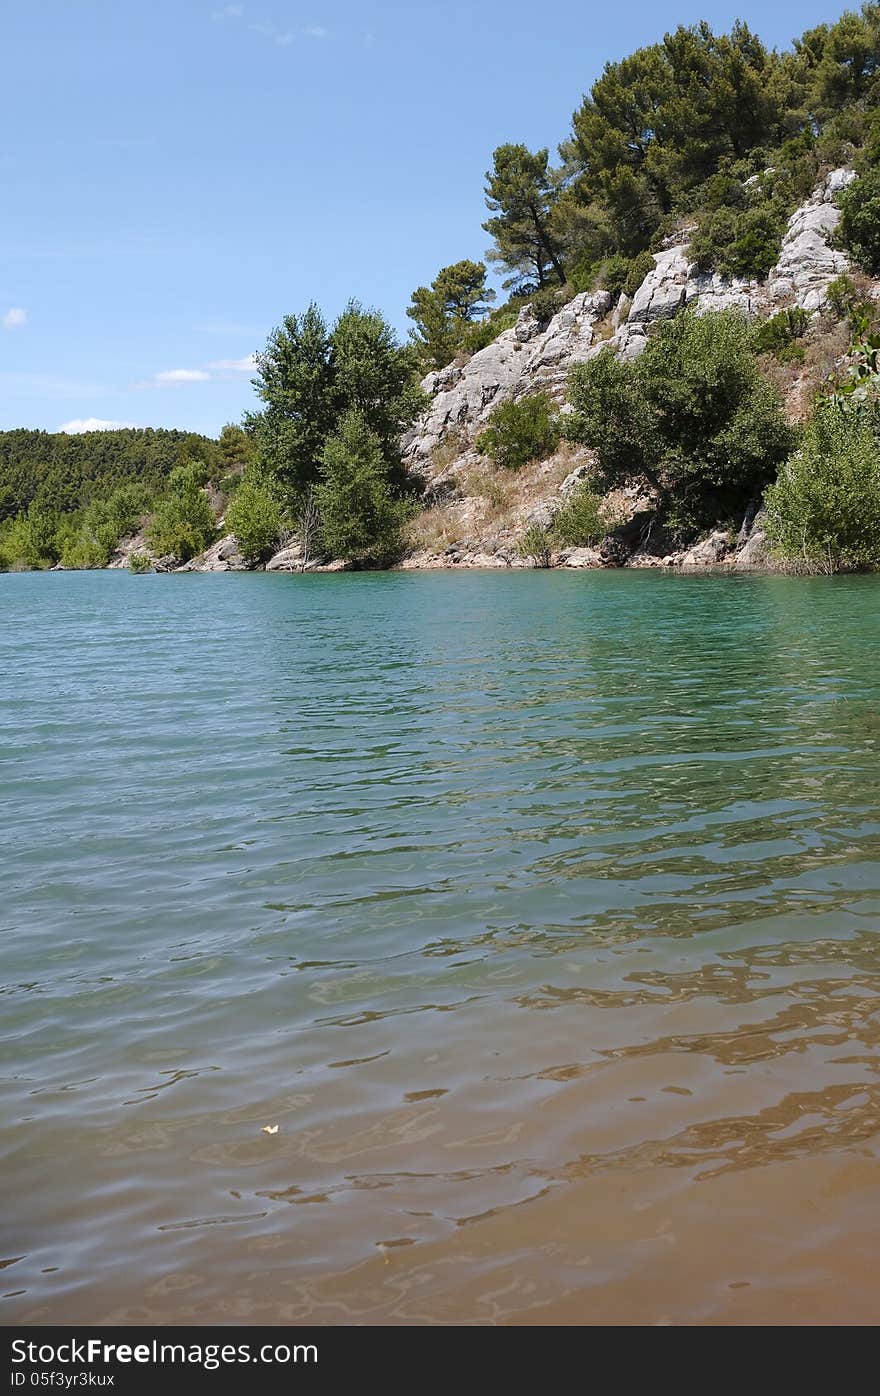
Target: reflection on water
{"x": 539, "y": 912}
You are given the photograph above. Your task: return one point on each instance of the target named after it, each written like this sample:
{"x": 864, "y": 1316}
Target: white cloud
{"x": 181, "y": 375}
{"x": 229, "y": 12}
{"x": 14, "y": 318}
{"x": 81, "y": 424}
{"x": 282, "y": 40}
{"x": 245, "y": 365}
{"x": 228, "y": 327}
{"x": 315, "y": 31}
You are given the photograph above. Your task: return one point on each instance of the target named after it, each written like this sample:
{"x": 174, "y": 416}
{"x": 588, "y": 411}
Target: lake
{"x": 539, "y": 911}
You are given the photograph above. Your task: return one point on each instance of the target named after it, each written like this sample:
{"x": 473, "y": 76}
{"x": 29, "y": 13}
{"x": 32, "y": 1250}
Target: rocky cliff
{"x": 475, "y": 516}
{"x": 463, "y": 525}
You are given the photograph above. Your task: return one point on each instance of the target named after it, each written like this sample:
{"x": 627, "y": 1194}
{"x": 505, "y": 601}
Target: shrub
{"x": 624, "y": 274}
{"x": 778, "y": 335}
{"x": 81, "y": 550}
{"x": 848, "y": 303}
{"x": 692, "y": 417}
{"x": 545, "y": 303}
{"x": 859, "y": 227}
{"x": 536, "y": 543}
{"x": 478, "y": 336}
{"x": 254, "y": 516}
{"x": 741, "y": 243}
{"x": 183, "y": 524}
{"x": 88, "y": 539}
{"x": 139, "y": 562}
{"x": 580, "y": 522}
{"x": 361, "y": 519}
{"x": 824, "y": 510}
{"x": 29, "y": 541}
{"x": 520, "y": 432}
{"x": 229, "y": 484}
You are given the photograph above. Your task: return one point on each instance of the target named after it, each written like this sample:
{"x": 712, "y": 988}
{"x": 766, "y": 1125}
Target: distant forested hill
{"x": 63, "y": 473}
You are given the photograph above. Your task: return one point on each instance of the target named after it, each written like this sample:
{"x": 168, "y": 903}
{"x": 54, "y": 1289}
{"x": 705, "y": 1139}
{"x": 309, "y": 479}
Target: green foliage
{"x": 484, "y": 332}
{"x": 139, "y": 563}
{"x": 29, "y": 540}
{"x": 520, "y": 432}
{"x": 858, "y": 395}
{"x": 658, "y": 123}
{"x": 457, "y": 297}
{"x": 309, "y": 378}
{"x": 59, "y": 472}
{"x": 692, "y": 416}
{"x": 236, "y": 451}
{"x": 580, "y": 521}
{"x": 183, "y": 523}
{"x": 537, "y": 544}
{"x": 823, "y": 512}
{"x": 521, "y": 191}
{"x": 740, "y": 226}
{"x": 295, "y": 382}
{"x": 778, "y": 335}
{"x": 838, "y": 63}
{"x": 361, "y": 517}
{"x": 254, "y": 516}
{"x": 859, "y": 228}
{"x": 546, "y": 302}
{"x": 79, "y": 549}
{"x": 719, "y": 128}
{"x": 850, "y": 305}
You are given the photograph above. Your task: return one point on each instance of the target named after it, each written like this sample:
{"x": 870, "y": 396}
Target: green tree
{"x": 521, "y": 191}
{"x": 824, "y": 510}
{"x": 255, "y": 517}
{"x": 295, "y": 382}
{"x": 376, "y": 377}
{"x": 183, "y": 523}
{"x": 692, "y": 417}
{"x": 859, "y": 228}
{"x": 841, "y": 63}
{"x": 29, "y": 540}
{"x": 236, "y": 449}
{"x": 309, "y": 378}
{"x": 457, "y": 296}
{"x": 361, "y": 517}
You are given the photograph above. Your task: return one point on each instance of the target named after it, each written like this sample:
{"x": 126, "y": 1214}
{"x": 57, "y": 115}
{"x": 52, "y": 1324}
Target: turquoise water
{"x": 473, "y": 884}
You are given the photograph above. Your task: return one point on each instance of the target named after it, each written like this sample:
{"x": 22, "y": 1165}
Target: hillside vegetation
{"x": 709, "y": 140}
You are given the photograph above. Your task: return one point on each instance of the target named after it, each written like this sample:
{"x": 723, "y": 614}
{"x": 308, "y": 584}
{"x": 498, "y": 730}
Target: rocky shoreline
{"x": 718, "y": 552}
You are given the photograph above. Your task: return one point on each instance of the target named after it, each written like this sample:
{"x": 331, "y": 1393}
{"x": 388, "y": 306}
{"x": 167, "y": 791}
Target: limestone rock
{"x": 222, "y": 556}
{"x": 576, "y": 477}
{"x": 520, "y": 361}
{"x": 287, "y": 559}
{"x": 579, "y": 557}
{"x": 709, "y": 552}
{"x": 755, "y": 551}
{"x": 807, "y": 265}
{"x": 662, "y": 293}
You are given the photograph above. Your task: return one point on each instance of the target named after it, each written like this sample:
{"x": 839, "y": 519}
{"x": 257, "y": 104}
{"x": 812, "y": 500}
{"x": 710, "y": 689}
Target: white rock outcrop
{"x": 521, "y": 360}
{"x": 528, "y": 358}
{"x": 222, "y": 556}
{"x": 807, "y": 264}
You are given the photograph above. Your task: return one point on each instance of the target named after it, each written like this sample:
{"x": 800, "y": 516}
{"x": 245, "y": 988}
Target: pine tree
{"x": 522, "y": 190}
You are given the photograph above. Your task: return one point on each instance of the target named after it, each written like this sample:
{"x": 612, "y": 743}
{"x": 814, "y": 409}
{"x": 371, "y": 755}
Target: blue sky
{"x": 179, "y": 174}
